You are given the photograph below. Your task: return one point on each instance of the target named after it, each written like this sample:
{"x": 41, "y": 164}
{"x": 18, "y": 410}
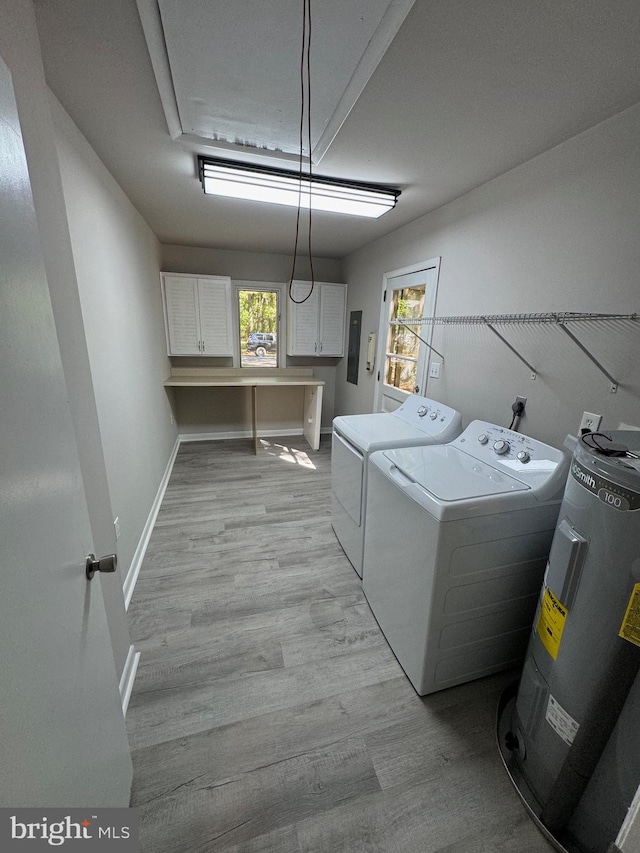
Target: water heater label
{"x": 551, "y": 621}
{"x": 561, "y": 721}
{"x": 615, "y": 496}
{"x": 630, "y": 628}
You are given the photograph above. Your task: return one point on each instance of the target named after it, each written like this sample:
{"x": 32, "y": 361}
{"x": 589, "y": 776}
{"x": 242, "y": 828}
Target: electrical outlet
{"x": 590, "y": 422}
{"x": 522, "y": 400}
{"x": 116, "y": 525}
{"x": 434, "y": 369}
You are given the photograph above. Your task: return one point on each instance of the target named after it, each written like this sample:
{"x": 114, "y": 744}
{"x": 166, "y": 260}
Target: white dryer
{"x": 417, "y": 421}
{"x": 456, "y": 545}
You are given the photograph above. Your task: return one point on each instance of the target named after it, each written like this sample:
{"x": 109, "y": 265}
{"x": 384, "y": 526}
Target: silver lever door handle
{"x": 104, "y": 564}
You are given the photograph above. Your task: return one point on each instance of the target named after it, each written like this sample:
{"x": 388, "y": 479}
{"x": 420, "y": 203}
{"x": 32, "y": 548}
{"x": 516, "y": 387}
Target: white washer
{"x": 417, "y": 421}
{"x": 456, "y": 545}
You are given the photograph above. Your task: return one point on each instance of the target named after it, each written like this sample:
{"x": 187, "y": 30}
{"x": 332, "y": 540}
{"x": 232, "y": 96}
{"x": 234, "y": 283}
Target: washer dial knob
{"x": 422, "y": 411}
{"x": 501, "y": 447}
{"x": 483, "y": 439}
{"x": 433, "y": 415}
{"x": 524, "y": 457}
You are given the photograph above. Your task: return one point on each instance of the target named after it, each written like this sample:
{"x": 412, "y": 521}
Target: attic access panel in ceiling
{"x": 228, "y": 73}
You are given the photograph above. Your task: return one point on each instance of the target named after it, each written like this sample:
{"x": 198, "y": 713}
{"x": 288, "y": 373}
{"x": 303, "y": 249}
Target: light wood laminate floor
{"x": 269, "y": 714}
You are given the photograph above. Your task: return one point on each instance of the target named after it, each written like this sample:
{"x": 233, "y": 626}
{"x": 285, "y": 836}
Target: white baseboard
{"x": 128, "y": 677}
{"x": 630, "y": 828}
{"x": 138, "y": 557}
{"x": 224, "y": 436}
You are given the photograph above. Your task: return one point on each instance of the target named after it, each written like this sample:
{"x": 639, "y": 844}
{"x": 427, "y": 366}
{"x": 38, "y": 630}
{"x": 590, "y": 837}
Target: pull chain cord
{"x": 308, "y": 2}
{"x": 305, "y": 90}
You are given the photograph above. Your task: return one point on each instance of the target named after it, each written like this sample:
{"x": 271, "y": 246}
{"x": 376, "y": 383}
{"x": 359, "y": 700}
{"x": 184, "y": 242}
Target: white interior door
{"x": 62, "y": 733}
{"x": 408, "y": 294}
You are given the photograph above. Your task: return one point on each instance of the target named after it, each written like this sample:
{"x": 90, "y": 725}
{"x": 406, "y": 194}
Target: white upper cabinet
{"x": 198, "y": 316}
{"x": 317, "y": 325}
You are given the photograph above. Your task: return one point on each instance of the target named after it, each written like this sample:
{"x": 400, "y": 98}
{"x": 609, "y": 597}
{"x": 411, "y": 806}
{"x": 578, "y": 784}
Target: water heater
{"x": 558, "y": 734}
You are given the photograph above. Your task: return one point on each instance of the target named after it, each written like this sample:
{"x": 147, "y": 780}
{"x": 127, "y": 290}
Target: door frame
{"x": 429, "y": 310}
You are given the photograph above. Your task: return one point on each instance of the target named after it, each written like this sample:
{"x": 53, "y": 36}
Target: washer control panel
{"x": 516, "y": 454}
{"x": 430, "y": 416}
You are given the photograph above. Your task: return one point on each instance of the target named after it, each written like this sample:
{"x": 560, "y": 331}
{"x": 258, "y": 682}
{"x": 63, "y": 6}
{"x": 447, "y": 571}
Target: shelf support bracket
{"x": 614, "y": 384}
{"x": 513, "y": 349}
{"x": 405, "y": 326}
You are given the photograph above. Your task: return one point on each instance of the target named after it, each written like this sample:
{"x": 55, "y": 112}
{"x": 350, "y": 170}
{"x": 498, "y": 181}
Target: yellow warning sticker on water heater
{"x": 551, "y": 621}
{"x": 630, "y": 628}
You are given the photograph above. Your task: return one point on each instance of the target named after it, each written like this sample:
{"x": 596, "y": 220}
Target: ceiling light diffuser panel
{"x": 274, "y": 186}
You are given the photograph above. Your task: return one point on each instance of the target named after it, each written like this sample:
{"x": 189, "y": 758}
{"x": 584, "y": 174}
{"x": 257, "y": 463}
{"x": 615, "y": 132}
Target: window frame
{"x": 273, "y": 287}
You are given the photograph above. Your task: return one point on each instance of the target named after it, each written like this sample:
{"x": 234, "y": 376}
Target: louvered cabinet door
{"x": 333, "y": 300}
{"x": 316, "y": 326}
{"x": 181, "y": 315}
{"x": 216, "y": 333}
{"x": 302, "y": 319}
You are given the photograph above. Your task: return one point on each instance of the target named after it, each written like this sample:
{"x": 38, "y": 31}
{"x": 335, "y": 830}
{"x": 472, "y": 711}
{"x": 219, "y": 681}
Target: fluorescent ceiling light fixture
{"x": 275, "y": 186}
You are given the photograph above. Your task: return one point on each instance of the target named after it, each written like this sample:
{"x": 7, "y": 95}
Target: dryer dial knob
{"x": 501, "y": 447}
{"x": 483, "y": 439}
{"x": 422, "y": 411}
{"x": 524, "y": 457}
{"x": 433, "y": 416}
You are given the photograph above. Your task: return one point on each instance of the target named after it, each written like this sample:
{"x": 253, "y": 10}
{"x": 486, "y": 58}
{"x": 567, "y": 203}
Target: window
{"x": 403, "y": 347}
{"x": 258, "y": 313}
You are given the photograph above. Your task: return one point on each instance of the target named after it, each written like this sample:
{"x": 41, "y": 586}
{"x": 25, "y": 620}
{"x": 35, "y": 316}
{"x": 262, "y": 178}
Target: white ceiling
{"x": 246, "y": 100}
{"x": 466, "y": 90}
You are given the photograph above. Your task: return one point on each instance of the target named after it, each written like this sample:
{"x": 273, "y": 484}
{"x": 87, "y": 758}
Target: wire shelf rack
{"x": 515, "y": 319}
{"x": 560, "y": 319}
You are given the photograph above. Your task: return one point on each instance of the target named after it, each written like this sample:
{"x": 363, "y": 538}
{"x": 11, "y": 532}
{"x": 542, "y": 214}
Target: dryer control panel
{"x": 531, "y": 461}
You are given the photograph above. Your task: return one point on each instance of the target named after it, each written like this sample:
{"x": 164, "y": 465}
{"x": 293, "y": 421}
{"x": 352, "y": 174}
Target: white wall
{"x": 559, "y": 233}
{"x": 230, "y": 411}
{"x": 251, "y": 266}
{"x": 117, "y": 263}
